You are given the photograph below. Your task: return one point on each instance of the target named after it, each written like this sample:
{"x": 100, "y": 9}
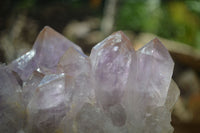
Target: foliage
{"x": 177, "y": 20}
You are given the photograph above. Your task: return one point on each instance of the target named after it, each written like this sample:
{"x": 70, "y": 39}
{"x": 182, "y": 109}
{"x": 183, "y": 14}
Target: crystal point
{"x": 111, "y": 61}
{"x": 154, "y": 70}
{"x": 45, "y": 54}
{"x": 50, "y": 46}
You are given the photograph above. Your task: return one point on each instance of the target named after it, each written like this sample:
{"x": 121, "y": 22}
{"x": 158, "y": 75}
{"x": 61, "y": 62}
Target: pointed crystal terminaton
{"x": 50, "y": 46}
{"x": 47, "y": 50}
{"x": 148, "y": 89}
{"x": 154, "y": 71}
{"x": 111, "y": 61}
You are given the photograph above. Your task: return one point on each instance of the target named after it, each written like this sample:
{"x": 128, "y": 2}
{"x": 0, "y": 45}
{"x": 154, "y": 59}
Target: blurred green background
{"x": 172, "y": 19}
{"x": 177, "y": 20}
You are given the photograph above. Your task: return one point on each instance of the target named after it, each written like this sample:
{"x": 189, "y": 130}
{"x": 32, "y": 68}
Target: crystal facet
{"x": 111, "y": 61}
{"x": 56, "y": 88}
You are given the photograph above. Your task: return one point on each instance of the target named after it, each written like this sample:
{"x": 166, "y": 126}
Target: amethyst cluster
{"x": 56, "y": 88}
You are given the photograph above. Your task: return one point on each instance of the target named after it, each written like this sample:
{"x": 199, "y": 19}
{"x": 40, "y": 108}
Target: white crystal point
{"x": 111, "y": 61}
{"x": 154, "y": 72}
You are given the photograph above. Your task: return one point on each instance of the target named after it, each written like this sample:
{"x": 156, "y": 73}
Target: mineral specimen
{"x": 56, "y": 88}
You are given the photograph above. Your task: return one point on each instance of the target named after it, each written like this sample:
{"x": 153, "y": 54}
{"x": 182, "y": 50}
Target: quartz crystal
{"x": 45, "y": 54}
{"x": 111, "y": 61}
{"x": 56, "y": 88}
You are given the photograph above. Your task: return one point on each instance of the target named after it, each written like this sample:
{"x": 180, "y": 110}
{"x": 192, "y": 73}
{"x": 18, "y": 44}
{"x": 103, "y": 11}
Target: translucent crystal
{"x": 56, "y": 88}
{"x": 45, "y": 55}
{"x": 154, "y": 71}
{"x": 47, "y": 107}
{"x": 148, "y": 87}
{"x": 30, "y": 86}
{"x": 111, "y": 61}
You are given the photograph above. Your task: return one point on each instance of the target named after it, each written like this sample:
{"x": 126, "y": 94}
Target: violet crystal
{"x": 56, "y": 88}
